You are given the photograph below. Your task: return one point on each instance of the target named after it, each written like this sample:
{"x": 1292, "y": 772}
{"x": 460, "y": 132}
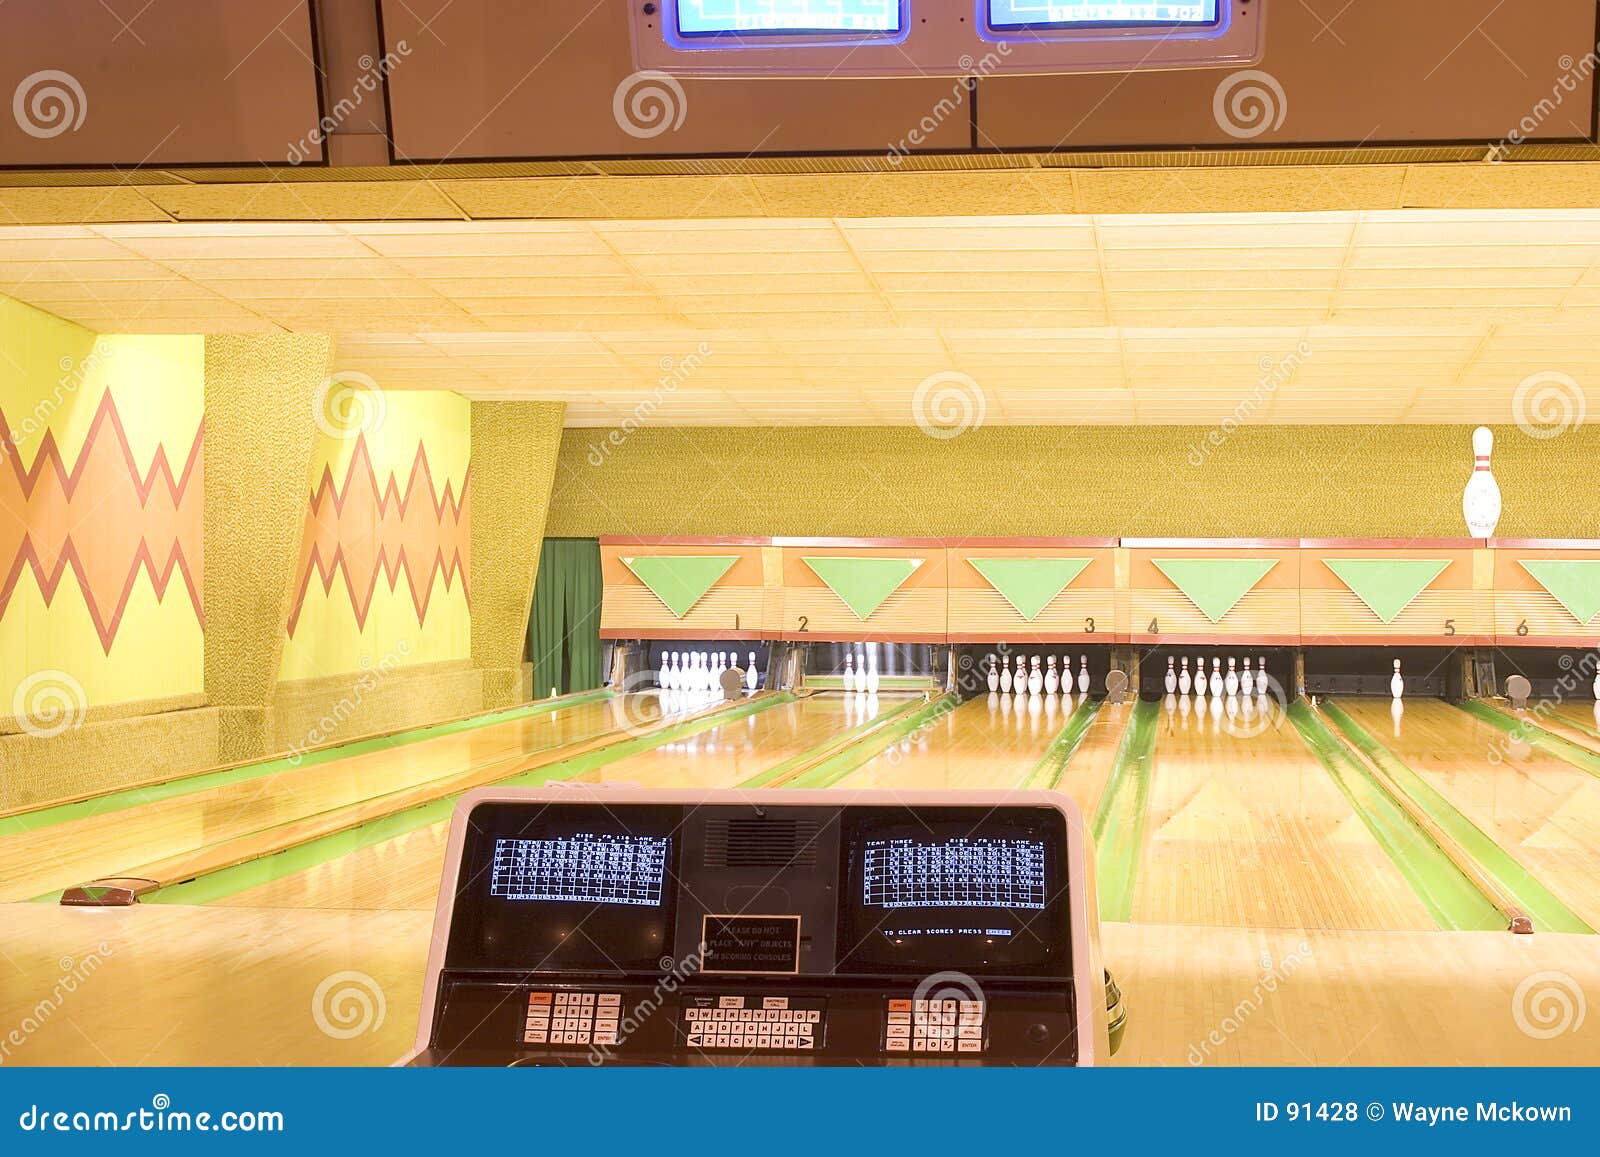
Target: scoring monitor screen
{"x": 957, "y": 891}
{"x": 1015, "y": 14}
{"x": 581, "y": 868}
{"x": 723, "y": 17}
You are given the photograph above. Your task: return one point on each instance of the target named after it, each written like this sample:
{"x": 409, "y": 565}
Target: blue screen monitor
{"x": 777, "y": 17}
{"x": 1021, "y": 14}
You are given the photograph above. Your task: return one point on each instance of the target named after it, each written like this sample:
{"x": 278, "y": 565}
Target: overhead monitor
{"x": 959, "y": 38}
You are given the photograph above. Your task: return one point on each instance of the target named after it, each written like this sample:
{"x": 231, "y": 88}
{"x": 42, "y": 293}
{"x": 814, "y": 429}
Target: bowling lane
{"x": 1249, "y": 830}
{"x": 1084, "y": 777}
{"x": 989, "y": 742}
{"x": 1543, "y": 811}
{"x": 74, "y": 852}
{"x": 404, "y": 872}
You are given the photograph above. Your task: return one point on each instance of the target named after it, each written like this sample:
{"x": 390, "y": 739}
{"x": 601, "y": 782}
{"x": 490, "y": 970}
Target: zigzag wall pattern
{"x": 362, "y": 531}
{"x": 101, "y": 520}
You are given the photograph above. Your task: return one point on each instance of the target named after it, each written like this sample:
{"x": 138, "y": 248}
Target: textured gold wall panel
{"x": 260, "y": 429}
{"x": 102, "y": 756}
{"x": 514, "y": 452}
{"x": 310, "y": 712}
{"x": 1280, "y": 481}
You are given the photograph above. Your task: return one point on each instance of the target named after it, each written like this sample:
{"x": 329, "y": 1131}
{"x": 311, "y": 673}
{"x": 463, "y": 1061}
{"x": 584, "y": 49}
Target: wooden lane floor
{"x": 37, "y": 862}
{"x": 1245, "y": 828}
{"x": 150, "y": 985}
{"x": 988, "y": 742}
{"x": 404, "y": 872}
{"x": 1543, "y": 811}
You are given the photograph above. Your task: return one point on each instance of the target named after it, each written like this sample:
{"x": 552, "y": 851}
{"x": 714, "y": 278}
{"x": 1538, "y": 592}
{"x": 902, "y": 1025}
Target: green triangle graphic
{"x": 680, "y": 580}
{"x": 863, "y": 583}
{"x": 1215, "y": 584}
{"x": 1387, "y": 585}
{"x": 1575, "y": 584}
{"x": 1029, "y": 584}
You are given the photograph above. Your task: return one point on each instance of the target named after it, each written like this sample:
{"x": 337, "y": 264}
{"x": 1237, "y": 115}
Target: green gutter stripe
{"x": 1529, "y": 731}
{"x": 762, "y": 779}
{"x": 1119, "y": 820}
{"x": 1450, "y": 896}
{"x": 1548, "y": 912}
{"x": 214, "y": 886}
{"x": 112, "y": 801}
{"x": 1052, "y": 765}
{"x": 831, "y": 771}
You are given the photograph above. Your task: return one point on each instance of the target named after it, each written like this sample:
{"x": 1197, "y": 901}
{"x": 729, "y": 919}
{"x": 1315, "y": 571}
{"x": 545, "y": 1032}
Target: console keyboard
{"x": 933, "y": 1026}
{"x": 572, "y": 1018}
{"x": 754, "y": 1023}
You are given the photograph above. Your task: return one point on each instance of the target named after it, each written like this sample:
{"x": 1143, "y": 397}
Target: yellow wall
{"x": 1290, "y": 481}
{"x": 388, "y": 429}
{"x": 55, "y": 382}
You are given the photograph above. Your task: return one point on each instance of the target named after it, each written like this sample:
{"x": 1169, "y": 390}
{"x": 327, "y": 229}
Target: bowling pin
{"x": 1171, "y": 681}
{"x": 1083, "y": 674}
{"x": 1035, "y": 677}
{"x": 672, "y": 672}
{"x": 1247, "y": 681}
{"x": 1185, "y": 683}
{"x": 1005, "y": 677}
{"x": 1200, "y": 676}
{"x": 873, "y": 680}
{"x": 1261, "y": 675}
{"x": 1052, "y": 678}
{"x": 1397, "y": 685}
{"x": 1216, "y": 677}
{"x": 849, "y": 673}
{"x": 1597, "y": 686}
{"x": 1231, "y": 683}
{"x": 661, "y": 675}
{"x": 1480, "y": 501}
{"x": 993, "y": 677}
{"x": 751, "y": 677}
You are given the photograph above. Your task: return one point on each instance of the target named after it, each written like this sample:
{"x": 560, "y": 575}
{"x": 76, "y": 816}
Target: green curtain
{"x": 564, "y": 628}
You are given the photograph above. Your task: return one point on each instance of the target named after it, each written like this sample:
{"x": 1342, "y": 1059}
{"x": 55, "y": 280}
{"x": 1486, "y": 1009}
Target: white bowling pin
{"x": 993, "y": 677}
{"x": 1035, "y": 677}
{"x": 1185, "y": 683}
{"x": 873, "y": 680}
{"x": 849, "y": 672}
{"x": 673, "y": 671}
{"x": 1005, "y": 677}
{"x": 1171, "y": 681}
{"x": 1083, "y": 674}
{"x": 1597, "y": 686}
{"x": 751, "y": 678}
{"x": 1261, "y": 675}
{"x": 1199, "y": 675}
{"x": 1397, "y": 685}
{"x": 1231, "y": 683}
{"x": 1480, "y": 501}
{"x": 1216, "y": 676}
{"x": 661, "y": 675}
{"x": 1247, "y": 681}
{"x": 1052, "y": 678}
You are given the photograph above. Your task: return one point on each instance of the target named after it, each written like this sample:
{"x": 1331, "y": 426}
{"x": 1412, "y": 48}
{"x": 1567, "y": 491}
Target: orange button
{"x": 539, "y": 998}
{"x": 899, "y": 1006}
